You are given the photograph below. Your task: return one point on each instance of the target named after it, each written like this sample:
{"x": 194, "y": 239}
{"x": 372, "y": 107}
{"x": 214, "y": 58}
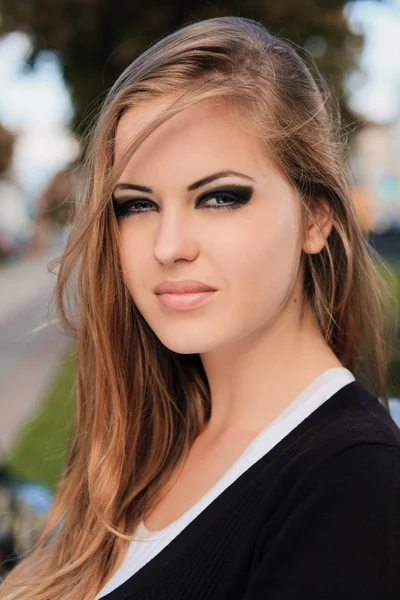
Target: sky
{"x": 378, "y": 96}
{"x": 38, "y": 106}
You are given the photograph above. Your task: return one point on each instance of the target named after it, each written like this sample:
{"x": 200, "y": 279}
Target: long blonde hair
{"x": 140, "y": 406}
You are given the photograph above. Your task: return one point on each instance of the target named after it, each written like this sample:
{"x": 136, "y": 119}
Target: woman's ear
{"x": 318, "y": 228}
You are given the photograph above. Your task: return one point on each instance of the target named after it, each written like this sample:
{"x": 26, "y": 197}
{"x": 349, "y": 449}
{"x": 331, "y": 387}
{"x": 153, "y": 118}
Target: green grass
{"x": 39, "y": 451}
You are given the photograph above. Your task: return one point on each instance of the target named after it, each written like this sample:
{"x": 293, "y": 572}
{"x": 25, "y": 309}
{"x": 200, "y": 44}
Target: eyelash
{"x": 239, "y": 196}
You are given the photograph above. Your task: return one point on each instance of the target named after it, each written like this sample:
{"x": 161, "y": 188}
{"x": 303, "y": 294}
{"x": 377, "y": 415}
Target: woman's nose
{"x": 175, "y": 240}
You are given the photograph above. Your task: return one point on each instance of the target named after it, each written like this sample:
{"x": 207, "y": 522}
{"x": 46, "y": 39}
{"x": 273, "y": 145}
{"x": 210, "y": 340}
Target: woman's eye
{"x": 131, "y": 207}
{"x": 220, "y": 200}
{"x": 215, "y": 200}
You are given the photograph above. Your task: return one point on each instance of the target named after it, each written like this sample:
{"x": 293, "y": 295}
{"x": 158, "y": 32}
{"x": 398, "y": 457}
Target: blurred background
{"x": 57, "y": 60}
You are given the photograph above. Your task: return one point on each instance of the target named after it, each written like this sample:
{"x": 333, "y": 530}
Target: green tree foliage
{"x": 96, "y": 39}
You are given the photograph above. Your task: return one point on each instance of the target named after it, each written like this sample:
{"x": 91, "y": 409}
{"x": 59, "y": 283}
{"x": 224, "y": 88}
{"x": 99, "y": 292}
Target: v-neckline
{"x": 313, "y": 387}
{"x": 206, "y": 518}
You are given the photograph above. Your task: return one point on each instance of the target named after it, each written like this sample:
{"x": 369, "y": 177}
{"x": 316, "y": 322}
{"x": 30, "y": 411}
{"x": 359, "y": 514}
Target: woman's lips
{"x": 185, "y": 301}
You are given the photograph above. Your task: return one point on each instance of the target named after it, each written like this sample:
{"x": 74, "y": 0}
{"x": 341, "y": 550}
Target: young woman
{"x": 232, "y": 436}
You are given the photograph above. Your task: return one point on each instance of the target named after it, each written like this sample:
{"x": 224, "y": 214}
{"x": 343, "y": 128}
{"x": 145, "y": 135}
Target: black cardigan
{"x": 317, "y": 517}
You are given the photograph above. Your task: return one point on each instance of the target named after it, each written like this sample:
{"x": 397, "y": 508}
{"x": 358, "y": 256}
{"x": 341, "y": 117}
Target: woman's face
{"x": 237, "y": 233}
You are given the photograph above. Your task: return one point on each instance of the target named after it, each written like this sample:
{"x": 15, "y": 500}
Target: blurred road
{"x": 27, "y": 360}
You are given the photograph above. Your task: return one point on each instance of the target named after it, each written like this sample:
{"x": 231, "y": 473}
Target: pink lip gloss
{"x": 185, "y": 301}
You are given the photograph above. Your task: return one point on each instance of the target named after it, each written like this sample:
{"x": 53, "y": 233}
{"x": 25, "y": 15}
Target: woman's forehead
{"x": 203, "y": 125}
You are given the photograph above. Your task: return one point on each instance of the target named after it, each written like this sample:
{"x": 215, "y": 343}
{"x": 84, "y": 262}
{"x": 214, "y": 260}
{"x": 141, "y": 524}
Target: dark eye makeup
{"x": 235, "y": 196}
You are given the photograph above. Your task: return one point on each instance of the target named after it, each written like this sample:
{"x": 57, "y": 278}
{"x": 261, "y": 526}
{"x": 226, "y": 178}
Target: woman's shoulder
{"x": 346, "y": 454}
{"x": 352, "y": 417}
{"x": 367, "y": 456}
{"x": 352, "y": 432}
{"x": 376, "y": 413}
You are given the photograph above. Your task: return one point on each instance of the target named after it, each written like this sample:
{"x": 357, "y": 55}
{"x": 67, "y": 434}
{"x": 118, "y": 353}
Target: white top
{"x": 151, "y": 543}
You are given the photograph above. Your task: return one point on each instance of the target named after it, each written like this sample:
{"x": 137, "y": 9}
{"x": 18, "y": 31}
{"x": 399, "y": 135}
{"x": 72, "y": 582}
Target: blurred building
{"x": 375, "y": 166}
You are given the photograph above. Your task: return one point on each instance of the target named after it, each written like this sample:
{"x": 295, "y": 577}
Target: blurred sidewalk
{"x": 27, "y": 360}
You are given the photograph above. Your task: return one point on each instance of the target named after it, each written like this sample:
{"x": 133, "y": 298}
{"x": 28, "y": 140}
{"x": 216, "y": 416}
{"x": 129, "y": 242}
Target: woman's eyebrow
{"x": 193, "y": 186}
{"x": 132, "y": 186}
{"x": 211, "y": 178}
